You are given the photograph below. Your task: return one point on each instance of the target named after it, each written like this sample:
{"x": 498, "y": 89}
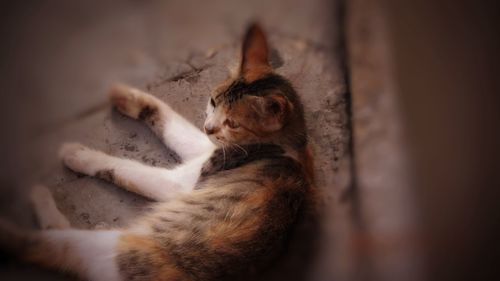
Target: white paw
{"x": 48, "y": 216}
{"x": 128, "y": 100}
{"x": 80, "y": 158}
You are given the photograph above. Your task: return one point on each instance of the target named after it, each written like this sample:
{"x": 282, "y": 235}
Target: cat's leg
{"x": 46, "y": 211}
{"x": 89, "y": 254}
{"x": 156, "y": 183}
{"x": 176, "y": 132}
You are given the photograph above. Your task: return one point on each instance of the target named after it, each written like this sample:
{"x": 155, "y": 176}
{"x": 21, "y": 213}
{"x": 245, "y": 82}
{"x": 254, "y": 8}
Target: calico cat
{"x": 228, "y": 206}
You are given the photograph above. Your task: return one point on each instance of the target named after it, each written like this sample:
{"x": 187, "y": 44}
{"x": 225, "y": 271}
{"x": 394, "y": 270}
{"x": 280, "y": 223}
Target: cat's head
{"x": 257, "y": 105}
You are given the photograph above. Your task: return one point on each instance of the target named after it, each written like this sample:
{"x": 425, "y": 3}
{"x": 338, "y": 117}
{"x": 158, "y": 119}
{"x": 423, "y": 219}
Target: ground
{"x": 63, "y": 58}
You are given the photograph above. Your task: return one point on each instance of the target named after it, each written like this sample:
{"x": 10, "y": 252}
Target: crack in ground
{"x": 190, "y": 76}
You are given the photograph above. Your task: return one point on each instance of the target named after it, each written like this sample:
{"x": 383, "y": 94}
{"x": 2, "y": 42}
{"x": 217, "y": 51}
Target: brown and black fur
{"x": 246, "y": 199}
{"x": 240, "y": 215}
{"x": 248, "y": 194}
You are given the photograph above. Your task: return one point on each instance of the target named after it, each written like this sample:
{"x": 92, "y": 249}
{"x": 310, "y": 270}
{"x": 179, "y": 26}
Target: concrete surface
{"x": 62, "y": 58}
{"x": 385, "y": 192}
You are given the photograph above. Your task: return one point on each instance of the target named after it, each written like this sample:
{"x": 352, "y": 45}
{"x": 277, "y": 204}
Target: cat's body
{"x": 228, "y": 207}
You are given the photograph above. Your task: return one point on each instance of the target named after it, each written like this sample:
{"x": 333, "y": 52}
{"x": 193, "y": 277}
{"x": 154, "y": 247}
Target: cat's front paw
{"x": 80, "y": 158}
{"x": 129, "y": 101}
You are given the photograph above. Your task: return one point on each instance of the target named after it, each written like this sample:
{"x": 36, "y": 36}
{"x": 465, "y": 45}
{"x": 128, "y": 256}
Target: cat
{"x": 228, "y": 206}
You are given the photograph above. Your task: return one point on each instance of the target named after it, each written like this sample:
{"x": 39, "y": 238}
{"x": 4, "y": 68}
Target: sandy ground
{"x": 60, "y": 59}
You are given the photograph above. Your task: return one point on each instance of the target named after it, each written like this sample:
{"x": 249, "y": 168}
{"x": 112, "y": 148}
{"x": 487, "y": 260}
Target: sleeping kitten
{"x": 229, "y": 205}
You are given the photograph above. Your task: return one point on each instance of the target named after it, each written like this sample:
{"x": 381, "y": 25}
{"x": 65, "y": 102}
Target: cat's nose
{"x": 209, "y": 130}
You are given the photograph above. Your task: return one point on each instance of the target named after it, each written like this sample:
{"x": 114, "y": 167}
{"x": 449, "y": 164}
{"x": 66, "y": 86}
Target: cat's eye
{"x": 212, "y": 102}
{"x": 231, "y": 124}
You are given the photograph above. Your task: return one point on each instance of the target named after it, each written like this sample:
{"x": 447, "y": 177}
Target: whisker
{"x": 224, "y": 150}
{"x": 223, "y": 154}
{"x": 240, "y": 147}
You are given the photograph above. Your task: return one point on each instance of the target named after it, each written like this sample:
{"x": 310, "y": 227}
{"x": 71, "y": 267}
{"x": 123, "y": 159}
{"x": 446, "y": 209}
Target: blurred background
{"x": 401, "y": 101}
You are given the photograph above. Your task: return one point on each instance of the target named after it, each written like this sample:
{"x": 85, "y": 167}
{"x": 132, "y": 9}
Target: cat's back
{"x": 246, "y": 201}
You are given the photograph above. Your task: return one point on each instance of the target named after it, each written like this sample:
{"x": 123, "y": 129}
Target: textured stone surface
{"x": 385, "y": 239}
{"x": 67, "y": 56}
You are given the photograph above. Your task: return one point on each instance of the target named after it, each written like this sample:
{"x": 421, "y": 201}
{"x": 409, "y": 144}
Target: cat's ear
{"x": 272, "y": 110}
{"x": 254, "y": 63}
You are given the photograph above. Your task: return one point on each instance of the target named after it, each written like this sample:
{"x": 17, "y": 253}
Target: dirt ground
{"x": 62, "y": 57}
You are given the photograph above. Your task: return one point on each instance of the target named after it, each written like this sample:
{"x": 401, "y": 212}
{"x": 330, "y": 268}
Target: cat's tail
{"x": 89, "y": 254}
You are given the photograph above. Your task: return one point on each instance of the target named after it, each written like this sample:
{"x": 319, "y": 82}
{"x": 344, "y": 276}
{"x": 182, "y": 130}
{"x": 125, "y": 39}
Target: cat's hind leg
{"x": 45, "y": 208}
{"x": 89, "y": 254}
{"x": 176, "y": 132}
